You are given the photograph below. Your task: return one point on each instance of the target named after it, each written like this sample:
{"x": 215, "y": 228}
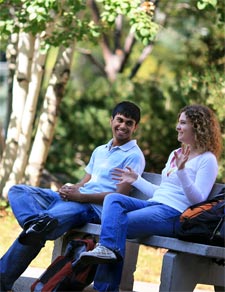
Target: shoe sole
{"x": 50, "y": 226}
{"x": 36, "y": 237}
{"x": 88, "y": 259}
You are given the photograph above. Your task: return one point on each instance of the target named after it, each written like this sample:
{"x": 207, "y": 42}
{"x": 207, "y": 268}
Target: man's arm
{"x": 84, "y": 180}
{"x": 72, "y": 193}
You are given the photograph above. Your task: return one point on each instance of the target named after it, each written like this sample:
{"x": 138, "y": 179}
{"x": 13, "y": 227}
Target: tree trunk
{"x": 20, "y": 89}
{"x": 11, "y": 55}
{"x": 37, "y": 71}
{"x": 45, "y": 131}
{"x": 2, "y": 141}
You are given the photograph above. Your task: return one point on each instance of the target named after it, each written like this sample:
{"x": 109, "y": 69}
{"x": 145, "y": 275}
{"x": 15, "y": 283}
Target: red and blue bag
{"x": 66, "y": 272}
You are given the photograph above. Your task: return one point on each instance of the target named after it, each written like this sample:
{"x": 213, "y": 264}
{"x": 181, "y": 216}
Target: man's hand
{"x": 70, "y": 192}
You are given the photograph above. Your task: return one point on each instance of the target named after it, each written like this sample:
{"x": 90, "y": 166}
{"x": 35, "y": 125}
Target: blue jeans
{"x": 27, "y": 204}
{"x": 126, "y": 217}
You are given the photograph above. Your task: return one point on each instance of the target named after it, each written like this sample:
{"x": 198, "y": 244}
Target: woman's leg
{"x": 108, "y": 277}
{"x": 155, "y": 219}
{"x": 115, "y": 221}
{"x": 124, "y": 216}
{"x": 113, "y": 236}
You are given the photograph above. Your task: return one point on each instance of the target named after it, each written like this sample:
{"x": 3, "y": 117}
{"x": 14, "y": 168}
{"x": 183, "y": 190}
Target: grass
{"x": 10, "y": 229}
{"x": 148, "y": 265}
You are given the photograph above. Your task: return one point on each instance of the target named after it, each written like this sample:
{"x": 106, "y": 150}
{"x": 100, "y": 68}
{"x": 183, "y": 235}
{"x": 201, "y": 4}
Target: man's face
{"x": 123, "y": 129}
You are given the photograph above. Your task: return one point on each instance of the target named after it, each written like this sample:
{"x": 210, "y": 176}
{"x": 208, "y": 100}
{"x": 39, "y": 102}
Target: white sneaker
{"x": 99, "y": 255}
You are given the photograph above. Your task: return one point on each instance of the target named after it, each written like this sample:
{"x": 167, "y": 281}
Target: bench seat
{"x": 185, "y": 264}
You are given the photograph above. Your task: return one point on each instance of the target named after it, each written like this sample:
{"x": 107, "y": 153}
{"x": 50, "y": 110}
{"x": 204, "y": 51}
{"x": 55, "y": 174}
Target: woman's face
{"x": 185, "y": 130}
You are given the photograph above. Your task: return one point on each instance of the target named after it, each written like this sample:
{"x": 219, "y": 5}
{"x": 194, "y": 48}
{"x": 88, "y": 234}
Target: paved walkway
{"x": 28, "y": 277}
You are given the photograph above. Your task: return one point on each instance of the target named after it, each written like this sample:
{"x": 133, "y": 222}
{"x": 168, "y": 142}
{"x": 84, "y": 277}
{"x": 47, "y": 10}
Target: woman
{"x": 187, "y": 178}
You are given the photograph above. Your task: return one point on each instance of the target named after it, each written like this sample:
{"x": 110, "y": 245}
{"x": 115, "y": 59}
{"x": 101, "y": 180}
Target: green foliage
{"x": 84, "y": 124}
{"x": 186, "y": 66}
{"x": 200, "y": 74}
{"x": 140, "y": 17}
{"x": 202, "y": 4}
{"x": 4, "y": 204}
{"x": 144, "y": 28}
{"x": 70, "y": 20}
{"x": 214, "y": 4}
{"x": 38, "y": 16}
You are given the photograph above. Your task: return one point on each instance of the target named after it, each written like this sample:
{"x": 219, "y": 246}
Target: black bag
{"x": 204, "y": 222}
{"x": 67, "y": 273}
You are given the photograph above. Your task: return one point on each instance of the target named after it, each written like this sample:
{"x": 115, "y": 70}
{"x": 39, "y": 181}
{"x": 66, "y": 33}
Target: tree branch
{"x": 104, "y": 42}
{"x": 117, "y": 32}
{"x": 128, "y": 45}
{"x": 146, "y": 51}
{"x": 89, "y": 55}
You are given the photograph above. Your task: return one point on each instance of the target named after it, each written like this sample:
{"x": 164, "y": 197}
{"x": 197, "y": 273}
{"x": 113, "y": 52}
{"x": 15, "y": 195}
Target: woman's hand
{"x": 182, "y": 156}
{"x": 124, "y": 176}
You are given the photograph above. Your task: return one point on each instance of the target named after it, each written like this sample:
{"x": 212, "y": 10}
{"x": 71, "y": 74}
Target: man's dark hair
{"x": 127, "y": 109}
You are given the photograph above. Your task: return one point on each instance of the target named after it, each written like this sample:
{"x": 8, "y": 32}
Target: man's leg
{"x": 68, "y": 215}
{"x": 14, "y": 263}
{"x": 31, "y": 205}
{"x": 28, "y": 203}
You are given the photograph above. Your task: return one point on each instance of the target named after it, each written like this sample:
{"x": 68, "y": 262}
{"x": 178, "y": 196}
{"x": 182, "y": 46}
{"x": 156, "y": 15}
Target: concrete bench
{"x": 185, "y": 264}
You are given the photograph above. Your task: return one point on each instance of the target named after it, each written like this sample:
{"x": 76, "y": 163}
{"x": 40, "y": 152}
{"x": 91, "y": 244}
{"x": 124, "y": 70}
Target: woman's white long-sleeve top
{"x": 181, "y": 188}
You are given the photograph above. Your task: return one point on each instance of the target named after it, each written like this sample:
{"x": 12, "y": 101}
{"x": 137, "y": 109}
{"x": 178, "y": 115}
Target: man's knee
{"x": 14, "y": 190}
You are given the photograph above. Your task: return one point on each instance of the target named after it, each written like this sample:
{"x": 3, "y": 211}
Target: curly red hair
{"x": 206, "y": 128}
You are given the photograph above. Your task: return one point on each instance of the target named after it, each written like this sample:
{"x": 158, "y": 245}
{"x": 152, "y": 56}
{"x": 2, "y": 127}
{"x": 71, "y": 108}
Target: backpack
{"x": 204, "y": 222}
{"x": 66, "y": 272}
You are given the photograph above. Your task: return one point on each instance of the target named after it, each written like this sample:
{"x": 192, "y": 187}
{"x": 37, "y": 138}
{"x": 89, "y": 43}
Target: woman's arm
{"x": 132, "y": 178}
{"x": 199, "y": 189}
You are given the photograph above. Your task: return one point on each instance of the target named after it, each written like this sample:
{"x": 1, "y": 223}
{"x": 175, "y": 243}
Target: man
{"x": 46, "y": 215}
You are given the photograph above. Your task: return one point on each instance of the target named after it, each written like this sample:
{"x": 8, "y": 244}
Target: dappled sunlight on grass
{"x": 149, "y": 264}
{"x": 43, "y": 260}
{"x": 10, "y": 229}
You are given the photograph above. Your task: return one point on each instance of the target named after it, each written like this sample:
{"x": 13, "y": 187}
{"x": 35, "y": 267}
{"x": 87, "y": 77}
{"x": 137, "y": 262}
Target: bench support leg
{"x": 129, "y": 267}
{"x": 219, "y": 289}
{"x": 57, "y": 248}
{"x": 175, "y": 274}
{"x": 182, "y": 272}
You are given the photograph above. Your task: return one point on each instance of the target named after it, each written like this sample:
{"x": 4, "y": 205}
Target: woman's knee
{"x": 112, "y": 198}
